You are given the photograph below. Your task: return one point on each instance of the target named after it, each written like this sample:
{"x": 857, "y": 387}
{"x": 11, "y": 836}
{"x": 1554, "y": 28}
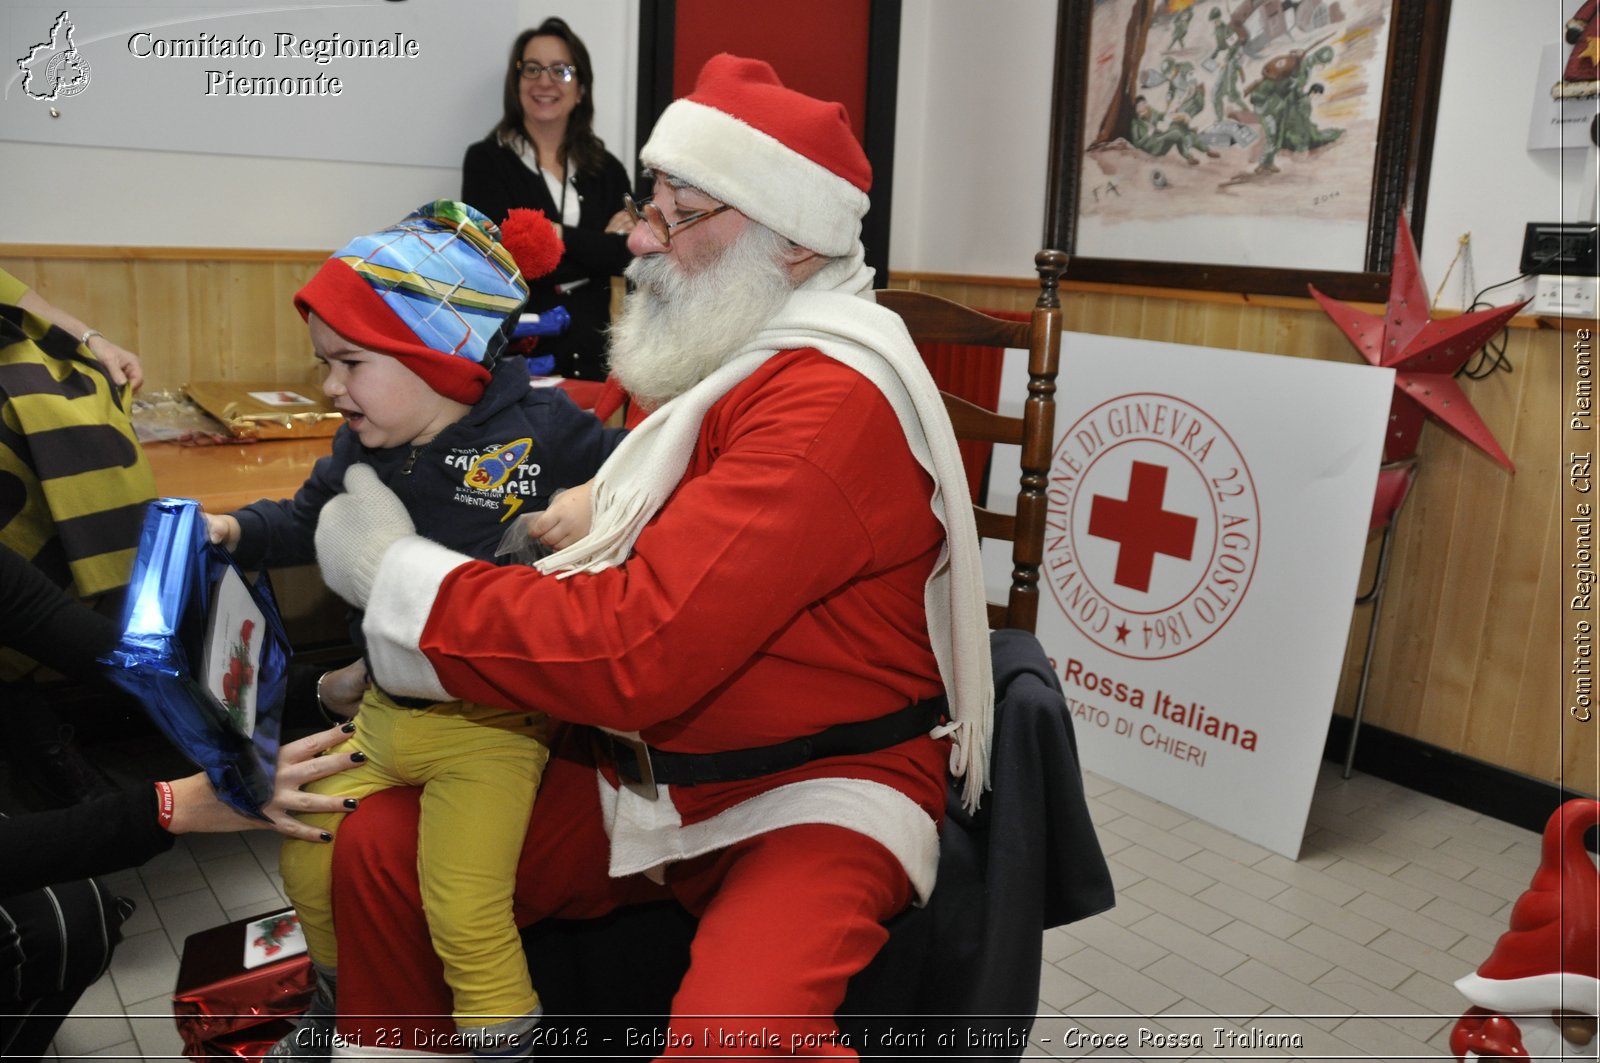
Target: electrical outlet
{"x": 1560, "y": 247}
{"x": 1558, "y": 296}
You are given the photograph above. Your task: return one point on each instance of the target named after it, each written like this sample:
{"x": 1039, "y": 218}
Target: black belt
{"x": 639, "y": 763}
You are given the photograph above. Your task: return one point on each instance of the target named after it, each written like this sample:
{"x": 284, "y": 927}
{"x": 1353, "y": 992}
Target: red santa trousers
{"x": 786, "y": 919}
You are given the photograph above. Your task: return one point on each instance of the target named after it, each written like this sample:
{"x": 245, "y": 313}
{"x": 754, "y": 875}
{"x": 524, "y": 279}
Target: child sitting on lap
{"x": 412, "y": 324}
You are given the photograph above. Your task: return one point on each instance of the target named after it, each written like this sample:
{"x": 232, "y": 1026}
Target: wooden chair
{"x": 932, "y": 319}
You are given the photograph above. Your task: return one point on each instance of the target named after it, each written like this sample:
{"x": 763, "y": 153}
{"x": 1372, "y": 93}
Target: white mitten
{"x": 355, "y": 530}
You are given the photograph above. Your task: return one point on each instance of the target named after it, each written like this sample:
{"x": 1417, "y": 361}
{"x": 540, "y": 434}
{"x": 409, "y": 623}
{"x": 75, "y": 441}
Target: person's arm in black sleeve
{"x": 482, "y": 186}
{"x": 44, "y": 622}
{"x": 96, "y": 837}
{"x": 590, "y": 249}
{"x": 126, "y": 828}
{"x": 596, "y": 253}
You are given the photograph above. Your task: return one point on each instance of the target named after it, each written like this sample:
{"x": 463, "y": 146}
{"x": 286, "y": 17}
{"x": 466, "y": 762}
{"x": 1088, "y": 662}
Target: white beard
{"x": 677, "y": 328}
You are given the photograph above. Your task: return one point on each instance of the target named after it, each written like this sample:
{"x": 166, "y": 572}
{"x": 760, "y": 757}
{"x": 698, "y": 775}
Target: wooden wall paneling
{"x": 1478, "y": 522}
{"x": 201, "y": 313}
{"x": 114, "y": 302}
{"x": 1094, "y": 316}
{"x": 1221, "y": 327}
{"x": 1159, "y": 320}
{"x": 293, "y": 354}
{"x": 1188, "y": 323}
{"x": 1549, "y": 663}
{"x": 74, "y": 290}
{"x": 1126, "y": 311}
{"x": 1485, "y": 533}
{"x": 1580, "y": 741}
{"x": 163, "y": 315}
{"x": 1419, "y": 592}
{"x": 207, "y": 332}
{"x": 1285, "y": 335}
{"x": 1255, "y": 328}
{"x": 247, "y": 326}
{"x": 1531, "y": 727}
{"x": 1523, "y": 537}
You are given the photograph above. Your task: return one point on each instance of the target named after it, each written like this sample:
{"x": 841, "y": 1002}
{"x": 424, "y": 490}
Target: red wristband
{"x": 164, "y": 805}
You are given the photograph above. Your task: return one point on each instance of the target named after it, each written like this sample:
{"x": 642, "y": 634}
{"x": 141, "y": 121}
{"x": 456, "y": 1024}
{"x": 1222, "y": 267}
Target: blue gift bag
{"x": 212, "y": 682}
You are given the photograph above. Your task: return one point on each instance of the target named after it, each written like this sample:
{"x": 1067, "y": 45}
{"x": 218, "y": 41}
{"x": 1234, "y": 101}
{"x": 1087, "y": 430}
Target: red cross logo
{"x": 1141, "y": 527}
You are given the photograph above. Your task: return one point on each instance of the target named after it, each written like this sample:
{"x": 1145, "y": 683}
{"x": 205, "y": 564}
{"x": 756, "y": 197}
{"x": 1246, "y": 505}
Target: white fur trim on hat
{"x": 403, "y": 596}
{"x": 1538, "y": 992}
{"x": 758, "y": 175}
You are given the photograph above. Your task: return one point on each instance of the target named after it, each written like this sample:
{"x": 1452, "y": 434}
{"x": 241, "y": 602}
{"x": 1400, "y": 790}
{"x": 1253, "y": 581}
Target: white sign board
{"x": 1208, "y": 516}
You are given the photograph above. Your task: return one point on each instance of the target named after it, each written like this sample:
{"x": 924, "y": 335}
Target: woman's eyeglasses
{"x": 557, "y": 71}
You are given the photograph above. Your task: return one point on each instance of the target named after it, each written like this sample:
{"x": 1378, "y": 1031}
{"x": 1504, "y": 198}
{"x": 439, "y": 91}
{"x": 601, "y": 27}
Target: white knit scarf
{"x": 842, "y": 322}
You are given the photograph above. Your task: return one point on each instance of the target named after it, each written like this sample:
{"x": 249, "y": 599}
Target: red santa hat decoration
{"x": 1546, "y": 967}
{"x": 1580, "y": 78}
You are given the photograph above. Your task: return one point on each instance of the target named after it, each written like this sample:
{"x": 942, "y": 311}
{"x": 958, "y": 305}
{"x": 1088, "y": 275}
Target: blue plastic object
{"x": 170, "y": 595}
{"x": 549, "y": 323}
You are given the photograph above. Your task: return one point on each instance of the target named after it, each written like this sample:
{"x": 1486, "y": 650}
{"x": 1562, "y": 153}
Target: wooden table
{"x": 231, "y": 475}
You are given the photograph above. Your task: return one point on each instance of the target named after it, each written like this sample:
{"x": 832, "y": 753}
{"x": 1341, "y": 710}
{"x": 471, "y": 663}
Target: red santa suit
{"x": 799, "y": 555}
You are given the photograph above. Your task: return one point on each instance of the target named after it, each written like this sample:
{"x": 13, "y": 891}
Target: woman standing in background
{"x": 543, "y": 154}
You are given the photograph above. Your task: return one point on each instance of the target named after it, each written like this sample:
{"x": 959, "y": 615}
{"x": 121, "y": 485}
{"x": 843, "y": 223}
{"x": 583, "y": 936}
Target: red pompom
{"x": 532, "y": 241}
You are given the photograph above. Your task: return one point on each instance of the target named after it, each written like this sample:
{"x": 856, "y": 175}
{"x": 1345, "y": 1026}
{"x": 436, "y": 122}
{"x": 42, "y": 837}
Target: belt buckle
{"x": 645, "y": 786}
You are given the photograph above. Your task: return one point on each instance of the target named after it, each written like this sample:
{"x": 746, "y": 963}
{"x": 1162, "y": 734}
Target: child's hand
{"x": 223, "y": 530}
{"x": 567, "y": 518}
{"x": 340, "y": 691}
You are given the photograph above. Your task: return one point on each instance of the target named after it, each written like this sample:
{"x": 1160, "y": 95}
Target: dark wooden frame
{"x": 1400, "y": 174}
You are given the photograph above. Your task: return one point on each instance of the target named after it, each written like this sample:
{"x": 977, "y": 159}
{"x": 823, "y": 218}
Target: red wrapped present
{"x": 240, "y": 986}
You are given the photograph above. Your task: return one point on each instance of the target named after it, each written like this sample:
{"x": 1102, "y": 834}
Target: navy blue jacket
{"x": 462, "y": 489}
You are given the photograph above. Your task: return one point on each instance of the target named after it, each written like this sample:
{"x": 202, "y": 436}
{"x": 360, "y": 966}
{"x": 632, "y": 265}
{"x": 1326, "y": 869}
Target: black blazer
{"x": 494, "y": 180}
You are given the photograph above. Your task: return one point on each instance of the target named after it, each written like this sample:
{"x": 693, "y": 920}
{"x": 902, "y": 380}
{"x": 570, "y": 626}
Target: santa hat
{"x": 1580, "y": 78}
{"x": 436, "y": 290}
{"x": 778, "y": 156}
{"x": 1550, "y": 958}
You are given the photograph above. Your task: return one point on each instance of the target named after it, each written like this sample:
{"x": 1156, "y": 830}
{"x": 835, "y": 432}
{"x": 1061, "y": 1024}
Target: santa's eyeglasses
{"x": 660, "y": 227}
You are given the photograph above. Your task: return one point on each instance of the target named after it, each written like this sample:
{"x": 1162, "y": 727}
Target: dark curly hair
{"x": 585, "y": 151}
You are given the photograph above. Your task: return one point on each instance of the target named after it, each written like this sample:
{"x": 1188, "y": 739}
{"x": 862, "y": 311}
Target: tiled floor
{"x": 1353, "y": 948}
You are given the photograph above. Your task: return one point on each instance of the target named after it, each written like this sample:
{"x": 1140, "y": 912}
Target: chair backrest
{"x": 931, "y": 319}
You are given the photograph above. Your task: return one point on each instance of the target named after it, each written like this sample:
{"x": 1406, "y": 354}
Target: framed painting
{"x": 1242, "y": 145}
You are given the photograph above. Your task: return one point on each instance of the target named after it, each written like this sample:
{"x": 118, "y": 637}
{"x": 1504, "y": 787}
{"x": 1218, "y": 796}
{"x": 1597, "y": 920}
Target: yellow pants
{"x": 479, "y": 768}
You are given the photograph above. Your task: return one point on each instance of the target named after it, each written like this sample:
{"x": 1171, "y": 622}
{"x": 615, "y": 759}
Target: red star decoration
{"x": 1424, "y": 353}
{"x": 1122, "y": 632}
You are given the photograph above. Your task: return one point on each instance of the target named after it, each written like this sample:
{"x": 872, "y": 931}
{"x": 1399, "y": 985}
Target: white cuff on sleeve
{"x": 402, "y": 599}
